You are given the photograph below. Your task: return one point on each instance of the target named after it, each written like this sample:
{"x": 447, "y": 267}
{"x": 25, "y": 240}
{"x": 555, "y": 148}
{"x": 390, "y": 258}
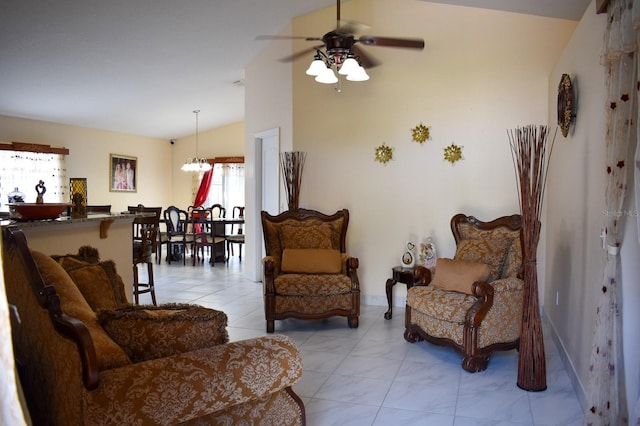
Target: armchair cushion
{"x": 99, "y": 283}
{"x": 149, "y": 332}
{"x": 306, "y": 236}
{"x": 313, "y": 284}
{"x": 109, "y": 354}
{"x": 445, "y": 306}
{"x": 459, "y": 275}
{"x": 492, "y": 252}
{"x": 311, "y": 261}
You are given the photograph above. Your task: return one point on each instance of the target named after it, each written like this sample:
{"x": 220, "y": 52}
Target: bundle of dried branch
{"x": 531, "y": 154}
{"x": 292, "y": 164}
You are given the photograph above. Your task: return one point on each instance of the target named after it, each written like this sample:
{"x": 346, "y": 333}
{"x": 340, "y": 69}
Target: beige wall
{"x": 224, "y": 141}
{"x": 575, "y": 209}
{"x": 88, "y": 157}
{"x": 160, "y": 180}
{"x": 268, "y": 105}
{"x": 481, "y": 72}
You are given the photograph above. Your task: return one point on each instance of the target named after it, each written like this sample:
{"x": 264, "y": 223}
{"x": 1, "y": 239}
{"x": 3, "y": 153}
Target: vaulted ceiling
{"x": 143, "y": 66}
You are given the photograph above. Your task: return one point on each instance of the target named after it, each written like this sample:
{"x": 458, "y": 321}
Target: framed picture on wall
{"x": 123, "y": 173}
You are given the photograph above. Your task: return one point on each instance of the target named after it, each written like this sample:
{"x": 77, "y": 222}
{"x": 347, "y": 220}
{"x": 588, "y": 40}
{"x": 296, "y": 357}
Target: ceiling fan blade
{"x": 366, "y": 60}
{"x": 412, "y": 43}
{"x": 278, "y": 37}
{"x": 297, "y": 55}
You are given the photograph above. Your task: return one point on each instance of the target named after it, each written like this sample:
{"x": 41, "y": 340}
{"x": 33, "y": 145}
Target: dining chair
{"x": 203, "y": 235}
{"x": 175, "y": 237}
{"x": 236, "y": 234}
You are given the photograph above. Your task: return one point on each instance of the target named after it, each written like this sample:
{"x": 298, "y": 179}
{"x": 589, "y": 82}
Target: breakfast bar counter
{"x": 110, "y": 233}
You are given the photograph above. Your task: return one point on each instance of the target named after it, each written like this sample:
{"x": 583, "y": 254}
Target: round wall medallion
{"x": 566, "y": 104}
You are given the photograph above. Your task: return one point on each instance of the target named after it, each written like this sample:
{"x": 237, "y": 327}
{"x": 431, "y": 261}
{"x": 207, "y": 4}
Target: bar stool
{"x": 145, "y": 240}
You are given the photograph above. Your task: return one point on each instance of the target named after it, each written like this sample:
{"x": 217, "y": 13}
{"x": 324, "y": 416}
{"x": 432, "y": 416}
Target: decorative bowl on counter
{"x": 38, "y": 211}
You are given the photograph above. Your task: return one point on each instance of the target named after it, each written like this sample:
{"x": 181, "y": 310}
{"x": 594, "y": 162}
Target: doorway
{"x": 267, "y": 190}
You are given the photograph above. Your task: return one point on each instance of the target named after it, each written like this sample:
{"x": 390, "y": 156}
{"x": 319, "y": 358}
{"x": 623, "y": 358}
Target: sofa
{"x": 86, "y": 356}
{"x": 307, "y": 272}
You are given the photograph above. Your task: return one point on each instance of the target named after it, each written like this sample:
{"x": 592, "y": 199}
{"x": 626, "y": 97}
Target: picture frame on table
{"x": 123, "y": 173}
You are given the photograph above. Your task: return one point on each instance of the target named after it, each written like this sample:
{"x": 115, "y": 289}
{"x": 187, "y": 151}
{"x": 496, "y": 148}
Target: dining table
{"x": 220, "y": 224}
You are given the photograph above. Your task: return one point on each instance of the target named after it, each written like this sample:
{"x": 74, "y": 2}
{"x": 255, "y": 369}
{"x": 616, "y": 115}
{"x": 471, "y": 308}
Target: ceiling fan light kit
{"x": 341, "y": 54}
{"x": 322, "y": 67}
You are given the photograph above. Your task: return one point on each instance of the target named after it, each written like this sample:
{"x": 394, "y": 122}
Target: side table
{"x": 402, "y": 275}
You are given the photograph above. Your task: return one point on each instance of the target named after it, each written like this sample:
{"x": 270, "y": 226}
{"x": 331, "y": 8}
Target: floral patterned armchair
{"x": 87, "y": 356}
{"x": 474, "y": 301}
{"x": 307, "y": 272}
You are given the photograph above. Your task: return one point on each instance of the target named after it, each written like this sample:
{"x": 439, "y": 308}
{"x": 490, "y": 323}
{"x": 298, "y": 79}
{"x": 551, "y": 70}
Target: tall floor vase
{"x": 292, "y": 164}
{"x": 531, "y": 158}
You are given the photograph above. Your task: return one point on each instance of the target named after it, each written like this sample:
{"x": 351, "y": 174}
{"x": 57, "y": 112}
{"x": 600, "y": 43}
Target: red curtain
{"x": 203, "y": 191}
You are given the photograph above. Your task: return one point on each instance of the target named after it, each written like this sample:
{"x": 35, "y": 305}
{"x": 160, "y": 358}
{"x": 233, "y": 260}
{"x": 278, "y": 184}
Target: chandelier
{"x": 339, "y": 58}
{"x": 196, "y": 164}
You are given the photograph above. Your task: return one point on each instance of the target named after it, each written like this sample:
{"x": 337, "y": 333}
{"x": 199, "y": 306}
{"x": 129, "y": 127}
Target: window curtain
{"x": 606, "y": 396}
{"x": 227, "y": 187}
{"x": 203, "y": 190}
{"x": 23, "y": 170}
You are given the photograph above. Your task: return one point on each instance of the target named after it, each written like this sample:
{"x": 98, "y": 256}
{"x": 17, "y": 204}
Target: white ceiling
{"x": 143, "y": 66}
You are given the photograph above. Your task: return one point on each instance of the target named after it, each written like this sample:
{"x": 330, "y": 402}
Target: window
{"x": 24, "y": 165}
{"x": 227, "y": 185}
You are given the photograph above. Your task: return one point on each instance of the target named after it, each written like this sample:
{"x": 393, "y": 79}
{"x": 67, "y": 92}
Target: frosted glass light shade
{"x": 359, "y": 74}
{"x": 196, "y": 165}
{"x": 348, "y": 66}
{"x": 327, "y": 77}
{"x": 316, "y": 68}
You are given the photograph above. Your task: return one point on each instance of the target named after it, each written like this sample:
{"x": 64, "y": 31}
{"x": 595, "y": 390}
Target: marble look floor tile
{"x": 335, "y": 413}
{"x": 370, "y": 367}
{"x": 310, "y": 382}
{"x": 438, "y": 398}
{"x": 360, "y": 390}
{"x": 321, "y": 362}
{"x": 510, "y": 405}
{"x": 396, "y": 417}
{"x": 370, "y": 375}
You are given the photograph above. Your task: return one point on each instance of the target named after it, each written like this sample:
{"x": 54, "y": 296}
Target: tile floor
{"x": 371, "y": 375}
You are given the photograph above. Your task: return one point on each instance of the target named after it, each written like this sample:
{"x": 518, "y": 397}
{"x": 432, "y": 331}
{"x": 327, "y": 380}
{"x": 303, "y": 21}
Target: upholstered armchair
{"x": 86, "y": 356}
{"x": 472, "y": 302}
{"x": 307, "y": 272}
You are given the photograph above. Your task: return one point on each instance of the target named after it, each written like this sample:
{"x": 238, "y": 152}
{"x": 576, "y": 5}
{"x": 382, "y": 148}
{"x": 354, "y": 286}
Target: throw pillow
{"x": 306, "y": 236}
{"x": 72, "y": 303}
{"x": 311, "y": 261}
{"x": 99, "y": 283}
{"x": 491, "y": 252}
{"x": 458, "y": 275}
{"x": 150, "y": 332}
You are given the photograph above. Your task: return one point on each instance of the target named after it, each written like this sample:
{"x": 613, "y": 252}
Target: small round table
{"x": 400, "y": 275}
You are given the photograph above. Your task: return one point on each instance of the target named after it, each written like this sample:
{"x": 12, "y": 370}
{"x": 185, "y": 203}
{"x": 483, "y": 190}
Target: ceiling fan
{"x": 342, "y": 51}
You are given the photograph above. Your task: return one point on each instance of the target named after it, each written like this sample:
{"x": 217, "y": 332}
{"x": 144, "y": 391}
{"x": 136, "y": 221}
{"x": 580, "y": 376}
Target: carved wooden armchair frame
{"x": 327, "y": 303}
{"x": 506, "y": 289}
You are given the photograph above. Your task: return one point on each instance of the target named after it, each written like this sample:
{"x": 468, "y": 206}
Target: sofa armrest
{"x": 149, "y": 332}
{"x": 512, "y": 283}
{"x": 179, "y": 388}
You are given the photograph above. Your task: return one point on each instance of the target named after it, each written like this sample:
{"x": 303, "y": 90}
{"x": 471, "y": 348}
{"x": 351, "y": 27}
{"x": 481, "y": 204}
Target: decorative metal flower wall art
{"x": 453, "y": 153}
{"x": 384, "y": 154}
{"x": 420, "y": 133}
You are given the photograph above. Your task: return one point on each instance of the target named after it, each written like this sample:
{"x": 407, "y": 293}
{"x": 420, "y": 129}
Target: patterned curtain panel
{"x": 606, "y": 397}
{"x": 23, "y": 170}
